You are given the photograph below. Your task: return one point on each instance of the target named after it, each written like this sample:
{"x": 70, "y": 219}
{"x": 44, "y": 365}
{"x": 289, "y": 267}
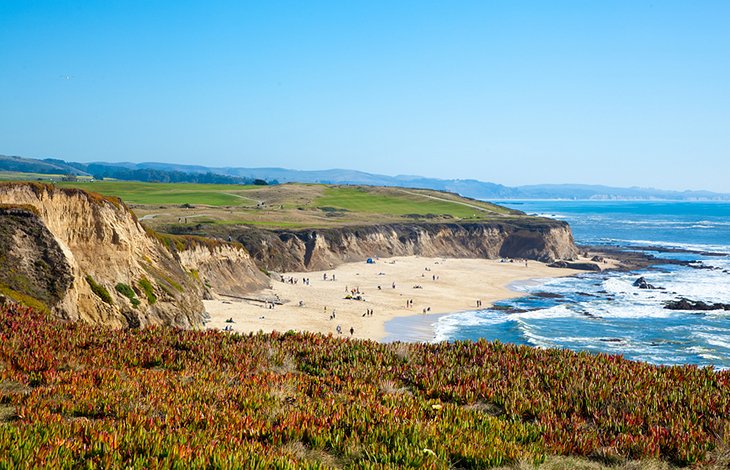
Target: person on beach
{"x": 352, "y": 331}
{"x": 339, "y": 329}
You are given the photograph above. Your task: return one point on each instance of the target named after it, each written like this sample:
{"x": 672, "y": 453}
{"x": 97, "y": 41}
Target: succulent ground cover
{"x": 72, "y": 394}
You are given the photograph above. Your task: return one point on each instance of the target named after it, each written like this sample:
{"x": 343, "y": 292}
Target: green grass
{"x": 167, "y": 193}
{"x": 259, "y": 223}
{"x": 22, "y": 176}
{"x": 99, "y": 290}
{"x": 362, "y": 200}
{"x": 128, "y": 292}
{"x": 148, "y": 290}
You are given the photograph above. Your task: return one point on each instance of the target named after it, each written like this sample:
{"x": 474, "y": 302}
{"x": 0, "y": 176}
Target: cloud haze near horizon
{"x": 626, "y": 93}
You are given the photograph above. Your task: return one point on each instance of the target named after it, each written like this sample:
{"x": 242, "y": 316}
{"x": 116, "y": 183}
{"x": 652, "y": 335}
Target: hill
{"x": 31, "y": 165}
{"x": 173, "y": 172}
{"x": 465, "y": 187}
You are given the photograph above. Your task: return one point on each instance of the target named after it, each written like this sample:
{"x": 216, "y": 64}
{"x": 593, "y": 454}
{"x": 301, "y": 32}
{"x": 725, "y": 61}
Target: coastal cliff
{"x": 86, "y": 257}
{"x": 225, "y": 269}
{"x": 311, "y": 250}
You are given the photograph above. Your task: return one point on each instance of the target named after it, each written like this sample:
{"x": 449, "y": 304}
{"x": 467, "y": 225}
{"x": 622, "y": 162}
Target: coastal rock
{"x": 548, "y": 295}
{"x": 579, "y": 266}
{"x": 694, "y": 305}
{"x": 558, "y": 264}
{"x": 641, "y": 283}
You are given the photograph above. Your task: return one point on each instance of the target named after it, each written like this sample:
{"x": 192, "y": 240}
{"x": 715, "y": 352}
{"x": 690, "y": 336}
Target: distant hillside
{"x": 120, "y": 171}
{"x": 466, "y": 187}
{"x": 48, "y": 166}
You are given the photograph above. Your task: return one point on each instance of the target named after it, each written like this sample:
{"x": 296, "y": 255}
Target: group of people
{"x": 368, "y": 312}
{"x": 293, "y": 280}
{"x": 339, "y": 330}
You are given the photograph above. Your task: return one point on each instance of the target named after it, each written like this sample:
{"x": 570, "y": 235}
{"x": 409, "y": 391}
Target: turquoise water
{"x": 604, "y": 312}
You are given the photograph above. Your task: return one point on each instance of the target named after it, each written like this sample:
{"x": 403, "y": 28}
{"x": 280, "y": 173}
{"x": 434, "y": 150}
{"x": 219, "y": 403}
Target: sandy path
{"x": 446, "y": 286}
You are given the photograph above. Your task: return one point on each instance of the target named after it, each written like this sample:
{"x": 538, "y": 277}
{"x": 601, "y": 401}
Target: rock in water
{"x": 642, "y": 284}
{"x": 694, "y": 305}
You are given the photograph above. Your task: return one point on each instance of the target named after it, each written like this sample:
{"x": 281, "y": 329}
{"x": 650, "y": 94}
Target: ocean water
{"x": 604, "y": 312}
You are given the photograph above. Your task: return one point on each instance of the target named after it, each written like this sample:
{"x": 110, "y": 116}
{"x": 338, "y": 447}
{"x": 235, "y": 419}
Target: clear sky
{"x": 603, "y": 92}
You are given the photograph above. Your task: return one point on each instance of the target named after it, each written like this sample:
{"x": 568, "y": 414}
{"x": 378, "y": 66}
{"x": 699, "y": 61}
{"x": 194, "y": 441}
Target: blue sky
{"x": 627, "y": 93}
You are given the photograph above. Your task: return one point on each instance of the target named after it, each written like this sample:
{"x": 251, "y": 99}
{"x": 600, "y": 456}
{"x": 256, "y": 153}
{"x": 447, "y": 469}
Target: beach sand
{"x": 436, "y": 285}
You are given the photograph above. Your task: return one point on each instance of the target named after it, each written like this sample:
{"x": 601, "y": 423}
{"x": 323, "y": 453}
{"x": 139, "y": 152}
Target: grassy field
{"x": 173, "y": 206}
{"x": 18, "y": 176}
{"x": 74, "y": 395}
{"x": 398, "y": 202}
{"x": 168, "y": 193}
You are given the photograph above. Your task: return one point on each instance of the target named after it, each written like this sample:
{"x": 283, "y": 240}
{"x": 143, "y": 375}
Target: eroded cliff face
{"x": 76, "y": 249}
{"x": 223, "y": 269}
{"x": 104, "y": 246}
{"x": 543, "y": 240}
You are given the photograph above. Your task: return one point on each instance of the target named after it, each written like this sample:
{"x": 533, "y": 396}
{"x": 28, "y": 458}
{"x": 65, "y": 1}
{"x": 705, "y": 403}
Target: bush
{"x": 148, "y": 290}
{"x": 99, "y": 290}
{"x": 127, "y": 292}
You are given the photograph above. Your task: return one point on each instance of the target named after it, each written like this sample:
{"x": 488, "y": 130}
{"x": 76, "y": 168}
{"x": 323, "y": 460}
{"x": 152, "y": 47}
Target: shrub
{"x": 127, "y": 292}
{"x": 99, "y": 290}
{"x": 148, "y": 290}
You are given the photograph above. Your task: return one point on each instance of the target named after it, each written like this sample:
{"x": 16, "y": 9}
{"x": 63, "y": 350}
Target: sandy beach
{"x": 387, "y": 288}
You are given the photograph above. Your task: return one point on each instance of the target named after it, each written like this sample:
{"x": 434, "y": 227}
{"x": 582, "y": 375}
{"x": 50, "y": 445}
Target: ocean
{"x": 604, "y": 312}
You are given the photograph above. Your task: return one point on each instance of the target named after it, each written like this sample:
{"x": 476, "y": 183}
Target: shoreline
{"x": 434, "y": 285}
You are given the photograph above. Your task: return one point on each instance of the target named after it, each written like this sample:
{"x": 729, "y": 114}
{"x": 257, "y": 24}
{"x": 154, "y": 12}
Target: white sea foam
{"x": 559, "y": 311}
{"x": 720, "y": 341}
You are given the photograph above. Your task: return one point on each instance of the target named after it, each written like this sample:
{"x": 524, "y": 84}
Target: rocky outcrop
{"x": 31, "y": 261}
{"x": 86, "y": 257}
{"x": 694, "y": 305}
{"x": 311, "y": 250}
{"x": 585, "y": 266}
{"x": 642, "y": 283}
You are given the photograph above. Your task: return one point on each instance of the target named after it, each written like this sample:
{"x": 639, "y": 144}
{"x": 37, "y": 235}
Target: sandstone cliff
{"x": 86, "y": 257}
{"x": 225, "y": 269}
{"x": 283, "y": 250}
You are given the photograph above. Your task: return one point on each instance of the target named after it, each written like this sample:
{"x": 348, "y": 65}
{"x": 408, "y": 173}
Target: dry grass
{"x": 7, "y": 413}
{"x": 390, "y": 387}
{"x": 302, "y": 452}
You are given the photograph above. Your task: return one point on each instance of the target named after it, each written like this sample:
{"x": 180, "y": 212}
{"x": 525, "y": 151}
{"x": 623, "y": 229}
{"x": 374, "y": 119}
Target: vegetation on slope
{"x": 167, "y": 193}
{"x": 72, "y": 394}
{"x": 170, "y": 206}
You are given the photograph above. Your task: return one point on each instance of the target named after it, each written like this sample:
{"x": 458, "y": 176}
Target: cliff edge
{"x": 85, "y": 257}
